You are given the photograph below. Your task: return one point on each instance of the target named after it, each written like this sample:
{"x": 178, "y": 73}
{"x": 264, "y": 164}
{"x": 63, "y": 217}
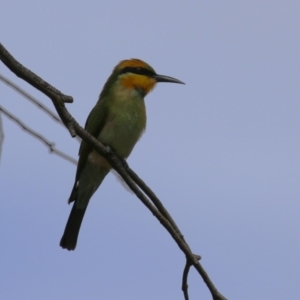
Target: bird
{"x": 117, "y": 120}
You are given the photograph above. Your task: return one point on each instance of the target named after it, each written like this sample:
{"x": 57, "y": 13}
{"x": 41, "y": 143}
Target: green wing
{"x": 93, "y": 125}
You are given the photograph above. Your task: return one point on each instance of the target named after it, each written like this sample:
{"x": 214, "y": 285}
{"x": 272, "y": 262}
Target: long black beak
{"x": 163, "y": 78}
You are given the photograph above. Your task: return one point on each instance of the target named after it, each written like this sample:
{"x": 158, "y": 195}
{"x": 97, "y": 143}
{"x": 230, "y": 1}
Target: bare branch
{"x": 154, "y": 199}
{"x": 74, "y": 128}
{"x": 32, "y": 78}
{"x": 38, "y": 136}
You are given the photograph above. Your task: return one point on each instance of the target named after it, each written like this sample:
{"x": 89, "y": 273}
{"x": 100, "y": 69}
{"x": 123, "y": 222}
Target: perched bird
{"x": 117, "y": 120}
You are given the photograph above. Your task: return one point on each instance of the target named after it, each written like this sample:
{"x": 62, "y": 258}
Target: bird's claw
{"x": 124, "y": 163}
{"x": 108, "y": 149}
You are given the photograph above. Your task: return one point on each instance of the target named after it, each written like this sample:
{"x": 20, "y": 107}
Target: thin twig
{"x": 32, "y": 99}
{"x": 1, "y": 135}
{"x": 185, "y": 285}
{"x": 39, "y": 137}
{"x": 185, "y": 274}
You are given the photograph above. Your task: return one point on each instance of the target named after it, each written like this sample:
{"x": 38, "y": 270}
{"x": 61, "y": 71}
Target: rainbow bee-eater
{"x": 117, "y": 120}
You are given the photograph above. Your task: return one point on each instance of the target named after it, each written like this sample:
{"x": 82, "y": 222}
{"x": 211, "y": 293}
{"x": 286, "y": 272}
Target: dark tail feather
{"x": 69, "y": 238}
{"x": 74, "y": 193}
{"x": 91, "y": 178}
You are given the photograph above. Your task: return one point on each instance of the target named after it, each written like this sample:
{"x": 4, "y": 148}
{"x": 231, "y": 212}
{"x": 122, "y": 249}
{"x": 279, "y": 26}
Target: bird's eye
{"x": 139, "y": 70}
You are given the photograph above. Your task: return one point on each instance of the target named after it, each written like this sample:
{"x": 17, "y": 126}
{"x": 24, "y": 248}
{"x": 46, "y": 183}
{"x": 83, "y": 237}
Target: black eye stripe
{"x": 137, "y": 70}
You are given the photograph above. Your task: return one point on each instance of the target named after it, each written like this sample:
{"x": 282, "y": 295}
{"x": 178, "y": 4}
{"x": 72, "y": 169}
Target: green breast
{"x": 125, "y": 124}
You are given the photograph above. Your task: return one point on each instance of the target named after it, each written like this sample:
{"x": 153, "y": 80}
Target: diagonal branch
{"x": 32, "y": 78}
{"x": 154, "y": 199}
{"x": 58, "y": 100}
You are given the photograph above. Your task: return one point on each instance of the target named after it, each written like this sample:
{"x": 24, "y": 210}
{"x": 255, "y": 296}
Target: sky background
{"x": 221, "y": 152}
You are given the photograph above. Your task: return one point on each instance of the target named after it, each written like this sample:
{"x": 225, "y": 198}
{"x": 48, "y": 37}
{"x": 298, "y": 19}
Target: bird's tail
{"x": 81, "y": 195}
{"x": 69, "y": 238}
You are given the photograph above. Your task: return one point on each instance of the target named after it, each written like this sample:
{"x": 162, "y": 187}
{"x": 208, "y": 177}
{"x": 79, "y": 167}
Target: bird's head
{"x": 138, "y": 75}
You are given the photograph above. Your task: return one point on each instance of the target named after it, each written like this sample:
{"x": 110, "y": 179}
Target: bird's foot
{"x": 108, "y": 149}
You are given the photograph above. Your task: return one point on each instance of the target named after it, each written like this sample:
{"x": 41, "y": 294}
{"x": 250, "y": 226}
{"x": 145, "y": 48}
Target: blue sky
{"x": 221, "y": 152}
